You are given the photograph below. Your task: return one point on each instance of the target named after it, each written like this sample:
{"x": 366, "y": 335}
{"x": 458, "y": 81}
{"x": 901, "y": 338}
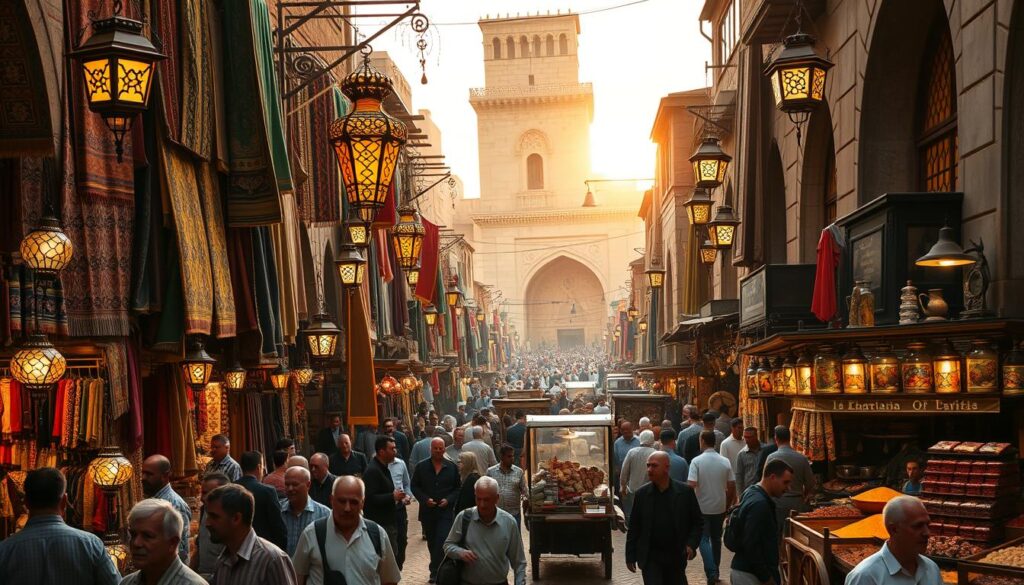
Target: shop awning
{"x": 687, "y": 330}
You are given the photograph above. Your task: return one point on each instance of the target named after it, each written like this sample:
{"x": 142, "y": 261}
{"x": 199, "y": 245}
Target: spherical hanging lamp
{"x": 351, "y": 266}
{"x": 407, "y": 237}
{"x": 197, "y": 366}
{"x": 798, "y": 77}
{"x": 409, "y": 382}
{"x": 710, "y": 164}
{"x": 303, "y": 375}
{"x": 322, "y": 338}
{"x": 110, "y": 469}
{"x": 38, "y": 365}
{"x": 234, "y": 378}
{"x": 430, "y": 316}
{"x": 722, "y": 230}
{"x": 47, "y": 249}
{"x": 367, "y": 141}
{"x": 389, "y": 385}
{"x": 698, "y": 207}
{"x": 117, "y": 64}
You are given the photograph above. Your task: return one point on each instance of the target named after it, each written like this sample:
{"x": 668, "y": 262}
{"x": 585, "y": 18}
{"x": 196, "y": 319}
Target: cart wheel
{"x": 535, "y": 565}
{"x": 802, "y": 565}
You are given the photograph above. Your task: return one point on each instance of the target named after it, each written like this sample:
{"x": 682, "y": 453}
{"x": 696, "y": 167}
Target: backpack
{"x": 332, "y": 577}
{"x": 733, "y": 528}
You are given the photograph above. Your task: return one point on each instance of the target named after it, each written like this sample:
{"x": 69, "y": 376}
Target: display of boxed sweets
{"x": 569, "y": 462}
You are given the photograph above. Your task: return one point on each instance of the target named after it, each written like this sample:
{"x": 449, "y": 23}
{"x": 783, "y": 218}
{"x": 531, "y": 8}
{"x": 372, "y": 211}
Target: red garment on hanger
{"x": 824, "y": 302}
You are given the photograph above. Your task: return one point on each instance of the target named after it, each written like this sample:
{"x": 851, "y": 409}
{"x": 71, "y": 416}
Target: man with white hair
{"x": 645, "y": 424}
{"x": 901, "y": 560}
{"x": 154, "y": 529}
{"x": 634, "y": 470}
{"x": 484, "y": 452}
{"x": 487, "y": 540}
{"x": 298, "y": 509}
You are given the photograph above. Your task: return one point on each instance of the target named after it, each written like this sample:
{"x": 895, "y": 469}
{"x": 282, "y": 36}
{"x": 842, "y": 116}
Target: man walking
{"x": 436, "y": 483}
{"x": 204, "y": 560}
{"x": 154, "y": 528}
{"x": 352, "y": 549}
{"x": 299, "y": 510}
{"x": 401, "y": 441}
{"x": 712, "y": 477}
{"x": 220, "y": 459}
{"x": 266, "y": 519}
{"x": 487, "y": 539}
{"x": 634, "y": 473}
{"x": 757, "y": 548}
{"x": 47, "y": 550}
{"x": 693, "y": 446}
{"x": 665, "y": 527}
{"x": 247, "y": 559}
{"x": 421, "y": 449}
{"x": 798, "y": 496}
{"x": 322, "y": 479}
{"x": 902, "y": 558}
{"x": 766, "y": 451}
{"x": 345, "y": 461}
{"x": 275, "y": 479}
{"x": 511, "y": 480}
{"x": 484, "y": 452}
{"x": 623, "y": 444}
{"x": 327, "y": 439}
{"x": 403, "y": 483}
{"x": 691, "y": 426}
{"x": 515, "y": 435}
{"x": 733, "y": 444}
{"x": 383, "y": 497}
{"x": 678, "y": 468}
{"x": 745, "y": 467}
{"x": 156, "y": 483}
{"x": 453, "y": 451}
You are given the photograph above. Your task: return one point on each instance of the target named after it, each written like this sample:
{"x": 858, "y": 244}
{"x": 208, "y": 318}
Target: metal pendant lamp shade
{"x": 946, "y": 252}
{"x": 38, "y": 364}
{"x": 698, "y": 207}
{"x": 722, "y": 229}
{"x": 351, "y": 266}
{"x": 407, "y": 237}
{"x": 197, "y": 366}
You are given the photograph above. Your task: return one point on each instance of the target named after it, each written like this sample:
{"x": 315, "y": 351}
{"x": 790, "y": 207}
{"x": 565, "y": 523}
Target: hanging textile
{"x": 268, "y": 300}
{"x": 31, "y": 306}
{"x": 182, "y": 433}
{"x": 220, "y": 272}
{"x": 147, "y": 257}
{"x": 165, "y": 16}
{"x": 319, "y": 197}
{"x": 387, "y": 216}
{"x": 426, "y": 288}
{"x": 252, "y": 198}
{"x": 240, "y": 264}
{"x": 264, "y": 37}
{"x": 830, "y": 245}
{"x": 362, "y": 399}
{"x": 218, "y": 64}
{"x": 286, "y": 253}
{"x": 196, "y": 83}
{"x": 813, "y": 435}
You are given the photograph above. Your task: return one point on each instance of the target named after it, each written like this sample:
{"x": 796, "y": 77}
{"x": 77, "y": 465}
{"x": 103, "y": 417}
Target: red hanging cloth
{"x": 824, "y": 303}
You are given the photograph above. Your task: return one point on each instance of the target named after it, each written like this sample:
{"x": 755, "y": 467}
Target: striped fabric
{"x": 257, "y": 561}
{"x": 168, "y": 494}
{"x": 49, "y": 551}
{"x": 296, "y": 524}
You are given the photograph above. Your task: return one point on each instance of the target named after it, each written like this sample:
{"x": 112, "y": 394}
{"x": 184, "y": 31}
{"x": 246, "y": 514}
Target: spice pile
{"x": 852, "y": 555}
{"x": 951, "y": 547}
{"x": 836, "y": 511}
{"x": 866, "y": 528}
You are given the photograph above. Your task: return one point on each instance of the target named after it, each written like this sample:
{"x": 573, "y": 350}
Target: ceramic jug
{"x": 934, "y": 305}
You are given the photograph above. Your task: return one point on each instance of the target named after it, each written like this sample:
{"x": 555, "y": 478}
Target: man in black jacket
{"x": 659, "y": 542}
{"x": 382, "y": 498}
{"x": 266, "y": 518}
{"x": 436, "y": 483}
{"x": 757, "y": 556}
{"x": 327, "y": 439}
{"x": 767, "y": 450}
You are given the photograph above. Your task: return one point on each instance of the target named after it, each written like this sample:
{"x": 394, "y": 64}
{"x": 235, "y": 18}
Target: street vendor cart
{"x": 570, "y": 510}
{"x": 582, "y": 390}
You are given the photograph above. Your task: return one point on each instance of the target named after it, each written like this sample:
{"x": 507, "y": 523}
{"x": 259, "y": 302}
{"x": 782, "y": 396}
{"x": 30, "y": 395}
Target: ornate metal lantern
{"x": 722, "y": 230}
{"x": 708, "y": 253}
{"x": 632, "y": 312}
{"x": 37, "y": 364}
{"x": 709, "y": 164}
{"x": 698, "y": 207}
{"x": 642, "y": 324}
{"x": 367, "y": 141}
{"x": 322, "y": 338}
{"x": 359, "y": 231}
{"x": 656, "y": 277}
{"x": 454, "y": 294}
{"x": 110, "y": 469}
{"x": 430, "y": 316}
{"x": 303, "y": 375}
{"x": 279, "y": 377}
{"x": 47, "y": 249}
{"x": 407, "y": 237}
{"x": 480, "y": 317}
{"x": 412, "y": 277}
{"x": 798, "y": 77}
{"x": 351, "y": 266}
{"x": 234, "y": 379}
{"x": 409, "y": 382}
{"x": 390, "y": 386}
{"x": 197, "y": 366}
{"x": 118, "y": 64}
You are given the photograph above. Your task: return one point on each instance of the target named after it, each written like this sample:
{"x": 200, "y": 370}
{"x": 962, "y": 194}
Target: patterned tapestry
{"x": 196, "y": 83}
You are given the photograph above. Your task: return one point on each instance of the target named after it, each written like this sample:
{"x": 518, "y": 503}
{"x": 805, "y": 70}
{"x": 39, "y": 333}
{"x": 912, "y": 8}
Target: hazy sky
{"x": 633, "y": 54}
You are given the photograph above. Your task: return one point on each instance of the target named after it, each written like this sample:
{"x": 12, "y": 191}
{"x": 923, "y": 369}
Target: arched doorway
{"x": 909, "y": 72}
{"x": 818, "y": 182}
{"x": 564, "y": 305}
{"x": 775, "y": 209}
{"x": 1010, "y": 268}
{"x": 29, "y": 101}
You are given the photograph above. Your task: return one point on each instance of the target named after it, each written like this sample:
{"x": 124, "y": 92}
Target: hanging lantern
{"x": 110, "y": 469}
{"x": 412, "y": 277}
{"x": 946, "y": 252}
{"x": 708, "y": 253}
{"x": 47, "y": 249}
{"x": 37, "y": 364}
{"x": 279, "y": 377}
{"x": 480, "y": 317}
{"x": 303, "y": 375}
{"x": 454, "y": 294}
{"x": 367, "y": 141}
{"x": 197, "y": 366}
{"x": 722, "y": 230}
{"x": 430, "y": 316}
{"x": 322, "y": 338}
{"x": 642, "y": 324}
{"x": 351, "y": 266}
{"x": 655, "y": 277}
{"x": 409, "y": 382}
{"x": 407, "y": 237}
{"x": 632, "y": 312}
{"x": 798, "y": 77}
{"x": 358, "y": 232}
{"x": 698, "y": 207}
{"x": 117, "y": 63}
{"x": 709, "y": 164}
{"x": 118, "y": 554}
{"x": 234, "y": 379}
{"x": 389, "y": 385}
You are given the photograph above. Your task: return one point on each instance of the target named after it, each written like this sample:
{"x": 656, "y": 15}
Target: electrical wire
{"x": 554, "y": 247}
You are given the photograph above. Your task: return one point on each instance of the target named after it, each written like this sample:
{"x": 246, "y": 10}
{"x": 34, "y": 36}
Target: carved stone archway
{"x": 565, "y": 304}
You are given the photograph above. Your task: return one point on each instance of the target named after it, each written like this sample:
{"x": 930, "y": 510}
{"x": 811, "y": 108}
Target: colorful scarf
{"x": 253, "y": 197}
{"x": 268, "y": 300}
{"x": 196, "y": 83}
{"x": 319, "y": 197}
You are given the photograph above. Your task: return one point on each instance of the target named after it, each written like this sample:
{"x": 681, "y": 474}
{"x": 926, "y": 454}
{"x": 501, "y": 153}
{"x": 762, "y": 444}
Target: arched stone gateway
{"x": 565, "y": 305}
{"x": 29, "y": 102}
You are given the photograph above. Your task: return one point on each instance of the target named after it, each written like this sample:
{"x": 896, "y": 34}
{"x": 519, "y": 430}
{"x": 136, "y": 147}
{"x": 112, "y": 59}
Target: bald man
{"x": 323, "y": 479}
{"x": 299, "y": 510}
{"x": 297, "y": 461}
{"x": 902, "y": 558}
{"x": 156, "y": 483}
{"x": 487, "y": 539}
{"x": 435, "y": 484}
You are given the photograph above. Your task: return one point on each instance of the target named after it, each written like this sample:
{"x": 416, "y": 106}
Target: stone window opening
{"x": 563, "y": 45}
{"x": 536, "y": 46}
{"x": 524, "y": 47}
{"x": 937, "y": 144}
{"x": 496, "y": 44}
{"x": 550, "y": 48}
{"x": 534, "y": 172}
{"x": 532, "y": 81}
{"x": 510, "y": 45}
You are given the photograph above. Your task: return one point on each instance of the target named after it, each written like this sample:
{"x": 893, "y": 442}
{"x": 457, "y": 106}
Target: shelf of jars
{"x": 921, "y": 368}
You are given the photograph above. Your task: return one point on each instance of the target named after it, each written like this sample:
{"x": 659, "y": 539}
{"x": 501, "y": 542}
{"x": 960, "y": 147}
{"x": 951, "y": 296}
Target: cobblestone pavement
{"x": 565, "y": 570}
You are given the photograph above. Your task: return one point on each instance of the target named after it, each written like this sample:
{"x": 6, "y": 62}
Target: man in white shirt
{"x": 351, "y": 549}
{"x": 712, "y": 476}
{"x": 901, "y": 560}
{"x": 733, "y": 444}
{"x": 484, "y": 452}
{"x": 602, "y": 406}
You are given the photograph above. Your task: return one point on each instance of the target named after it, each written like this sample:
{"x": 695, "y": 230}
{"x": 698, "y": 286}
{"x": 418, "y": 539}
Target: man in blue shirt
{"x": 912, "y": 487}
{"x": 678, "y": 467}
{"x": 623, "y": 445}
{"x": 47, "y": 550}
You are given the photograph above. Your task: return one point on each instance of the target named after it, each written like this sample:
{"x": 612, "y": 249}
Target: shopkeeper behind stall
{"x": 912, "y": 487}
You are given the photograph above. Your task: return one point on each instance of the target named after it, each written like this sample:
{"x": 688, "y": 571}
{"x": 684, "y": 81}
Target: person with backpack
{"x": 753, "y": 534}
{"x": 345, "y": 548}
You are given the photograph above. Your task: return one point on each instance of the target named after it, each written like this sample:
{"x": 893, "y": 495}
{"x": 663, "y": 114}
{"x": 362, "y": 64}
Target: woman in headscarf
{"x": 468, "y": 471}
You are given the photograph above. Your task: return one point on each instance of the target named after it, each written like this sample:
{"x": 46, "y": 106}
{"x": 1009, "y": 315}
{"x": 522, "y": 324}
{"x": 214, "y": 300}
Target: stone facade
{"x": 533, "y": 240}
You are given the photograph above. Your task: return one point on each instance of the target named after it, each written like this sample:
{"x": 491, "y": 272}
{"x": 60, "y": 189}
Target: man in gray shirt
{"x": 484, "y": 452}
{"x": 798, "y": 496}
{"x": 204, "y": 560}
{"x": 746, "y": 461}
{"x": 492, "y": 543}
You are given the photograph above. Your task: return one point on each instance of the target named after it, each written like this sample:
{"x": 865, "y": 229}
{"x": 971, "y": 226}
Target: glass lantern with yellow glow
{"x": 409, "y": 382}
{"x": 855, "y": 365}
{"x": 367, "y": 141}
{"x": 303, "y": 375}
{"x": 708, "y": 253}
{"x": 946, "y": 365}
{"x": 642, "y": 324}
{"x": 38, "y": 365}
{"x": 698, "y": 207}
{"x": 884, "y": 370}
{"x": 412, "y": 277}
{"x": 655, "y": 277}
{"x": 390, "y": 386}
{"x": 322, "y": 338}
{"x": 234, "y": 379}
{"x": 632, "y": 312}
{"x": 804, "y": 374}
{"x": 765, "y": 381}
{"x": 117, "y": 64}
{"x": 197, "y": 366}
{"x": 110, "y": 468}
{"x": 407, "y": 237}
{"x": 480, "y": 317}
{"x": 118, "y": 554}
{"x": 710, "y": 163}
{"x": 789, "y": 376}
{"x": 722, "y": 229}
{"x": 46, "y": 249}
{"x": 279, "y": 377}
{"x": 358, "y": 231}
{"x": 351, "y": 266}
{"x": 430, "y": 316}
{"x": 454, "y": 294}
{"x": 798, "y": 77}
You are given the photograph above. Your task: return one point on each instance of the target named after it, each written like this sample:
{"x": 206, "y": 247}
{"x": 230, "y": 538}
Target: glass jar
{"x": 946, "y": 366}
{"x": 885, "y": 371}
{"x": 778, "y": 377}
{"x": 855, "y": 365}
{"x": 827, "y": 372}
{"x": 982, "y": 367}
{"x": 764, "y": 377}
{"x": 805, "y": 374}
{"x": 916, "y": 369}
{"x": 1013, "y": 372}
{"x": 789, "y": 381}
{"x": 750, "y": 380}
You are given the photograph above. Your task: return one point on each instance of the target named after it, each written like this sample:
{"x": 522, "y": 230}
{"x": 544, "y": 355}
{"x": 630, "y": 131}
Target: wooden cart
{"x": 509, "y": 406}
{"x": 570, "y": 529}
{"x": 808, "y": 555}
{"x": 633, "y": 406}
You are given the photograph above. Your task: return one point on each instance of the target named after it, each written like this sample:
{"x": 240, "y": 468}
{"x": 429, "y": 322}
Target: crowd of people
{"x": 342, "y": 515}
